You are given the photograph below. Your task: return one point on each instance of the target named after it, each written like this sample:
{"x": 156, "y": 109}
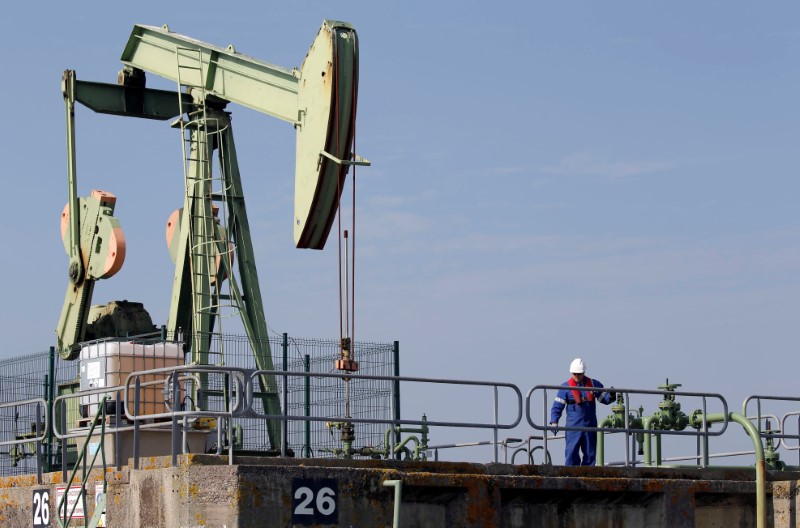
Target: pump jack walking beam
{"x": 319, "y": 99}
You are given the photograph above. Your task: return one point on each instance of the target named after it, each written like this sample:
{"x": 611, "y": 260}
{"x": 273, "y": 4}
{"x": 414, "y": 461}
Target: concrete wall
{"x": 203, "y": 491}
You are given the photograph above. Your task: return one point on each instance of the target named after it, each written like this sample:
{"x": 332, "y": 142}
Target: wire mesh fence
{"x": 29, "y": 376}
{"x": 23, "y": 378}
{"x": 310, "y": 396}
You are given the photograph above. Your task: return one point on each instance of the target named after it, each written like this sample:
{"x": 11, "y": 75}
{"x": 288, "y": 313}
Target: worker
{"x": 581, "y": 412}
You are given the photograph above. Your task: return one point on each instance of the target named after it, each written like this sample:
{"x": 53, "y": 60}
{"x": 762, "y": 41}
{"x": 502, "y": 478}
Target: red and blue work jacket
{"x": 580, "y": 404}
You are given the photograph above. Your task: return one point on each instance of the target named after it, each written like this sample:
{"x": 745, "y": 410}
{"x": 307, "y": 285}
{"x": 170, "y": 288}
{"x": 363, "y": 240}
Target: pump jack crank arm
{"x": 102, "y": 245}
{"x": 72, "y": 323}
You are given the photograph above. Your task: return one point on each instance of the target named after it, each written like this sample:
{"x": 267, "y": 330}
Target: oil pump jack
{"x": 209, "y": 238}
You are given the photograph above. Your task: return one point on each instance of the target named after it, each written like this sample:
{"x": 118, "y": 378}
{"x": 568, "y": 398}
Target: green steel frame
{"x": 319, "y": 100}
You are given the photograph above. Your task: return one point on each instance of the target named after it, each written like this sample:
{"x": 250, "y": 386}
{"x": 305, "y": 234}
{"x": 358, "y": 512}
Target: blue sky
{"x": 611, "y": 180}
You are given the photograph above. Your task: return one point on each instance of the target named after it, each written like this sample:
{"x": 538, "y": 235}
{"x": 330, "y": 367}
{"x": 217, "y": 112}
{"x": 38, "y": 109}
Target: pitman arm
{"x": 92, "y": 239}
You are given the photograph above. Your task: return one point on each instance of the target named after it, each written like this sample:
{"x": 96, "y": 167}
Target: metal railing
{"x": 779, "y": 434}
{"x": 703, "y": 432}
{"x": 65, "y": 513}
{"x": 62, "y": 433}
{"x": 241, "y": 397}
{"x": 495, "y": 425}
{"x": 39, "y": 431}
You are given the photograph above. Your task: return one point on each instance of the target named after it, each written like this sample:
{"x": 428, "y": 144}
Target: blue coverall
{"x": 582, "y": 414}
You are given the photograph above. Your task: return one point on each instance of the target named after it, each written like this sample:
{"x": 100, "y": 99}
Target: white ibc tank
{"x": 108, "y": 364}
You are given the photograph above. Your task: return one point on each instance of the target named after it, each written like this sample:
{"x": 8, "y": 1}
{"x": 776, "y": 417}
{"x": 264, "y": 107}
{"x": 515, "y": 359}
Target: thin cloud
{"x": 397, "y": 200}
{"x": 583, "y": 164}
{"x": 784, "y": 35}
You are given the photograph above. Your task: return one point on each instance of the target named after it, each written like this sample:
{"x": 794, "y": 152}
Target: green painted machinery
{"x": 209, "y": 236}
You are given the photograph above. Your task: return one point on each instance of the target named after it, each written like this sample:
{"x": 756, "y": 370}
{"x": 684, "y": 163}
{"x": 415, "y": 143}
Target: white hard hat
{"x": 577, "y": 366}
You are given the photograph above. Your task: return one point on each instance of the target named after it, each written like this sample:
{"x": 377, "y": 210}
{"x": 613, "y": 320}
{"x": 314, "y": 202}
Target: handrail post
{"x": 38, "y": 443}
{"x": 64, "y": 440}
{"x": 174, "y": 439}
{"x": 117, "y": 420}
{"x": 396, "y": 389}
{"x": 184, "y": 434}
{"x": 705, "y": 435}
{"x": 230, "y": 419}
{"x": 628, "y": 453}
{"x": 758, "y": 415}
{"x": 495, "y": 424}
{"x": 546, "y": 419}
{"x": 219, "y": 436}
{"x": 393, "y": 440}
{"x": 137, "y": 385}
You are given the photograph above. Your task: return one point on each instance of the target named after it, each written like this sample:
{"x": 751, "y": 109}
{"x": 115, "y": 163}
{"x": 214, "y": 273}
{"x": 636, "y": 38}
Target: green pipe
{"x": 601, "y": 442}
{"x": 761, "y": 477}
{"x": 407, "y": 440}
{"x": 398, "y": 494}
{"x": 398, "y": 449}
{"x": 696, "y": 422}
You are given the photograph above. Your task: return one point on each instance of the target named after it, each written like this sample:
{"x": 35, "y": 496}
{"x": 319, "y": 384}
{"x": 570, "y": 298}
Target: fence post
{"x": 307, "y": 405}
{"x": 50, "y": 398}
{"x": 44, "y": 450}
{"x": 396, "y": 350}
{"x": 285, "y": 427}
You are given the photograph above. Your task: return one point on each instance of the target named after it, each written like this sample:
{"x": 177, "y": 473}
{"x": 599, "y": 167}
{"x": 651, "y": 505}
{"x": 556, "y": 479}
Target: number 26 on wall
{"x": 314, "y": 501}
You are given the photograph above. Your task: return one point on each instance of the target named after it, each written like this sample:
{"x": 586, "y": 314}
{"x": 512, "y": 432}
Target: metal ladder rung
{"x": 194, "y": 124}
{"x": 205, "y": 255}
{"x": 226, "y": 297}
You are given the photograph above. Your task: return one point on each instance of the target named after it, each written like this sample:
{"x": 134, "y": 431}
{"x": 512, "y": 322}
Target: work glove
{"x": 555, "y": 431}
